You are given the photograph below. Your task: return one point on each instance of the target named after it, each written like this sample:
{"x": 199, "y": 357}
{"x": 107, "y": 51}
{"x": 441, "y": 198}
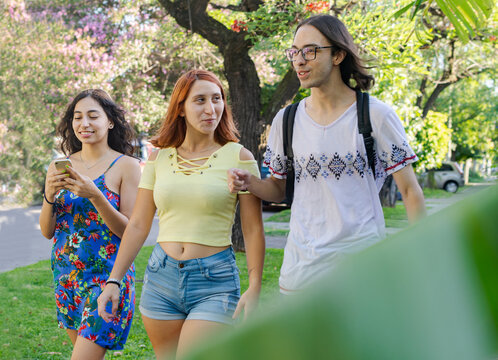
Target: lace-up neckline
{"x": 194, "y": 167}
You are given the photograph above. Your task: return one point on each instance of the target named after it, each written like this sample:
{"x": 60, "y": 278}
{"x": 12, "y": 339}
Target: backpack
{"x": 364, "y": 128}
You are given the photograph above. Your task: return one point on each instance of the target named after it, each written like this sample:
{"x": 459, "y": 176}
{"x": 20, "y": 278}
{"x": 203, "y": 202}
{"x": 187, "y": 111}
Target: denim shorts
{"x": 196, "y": 289}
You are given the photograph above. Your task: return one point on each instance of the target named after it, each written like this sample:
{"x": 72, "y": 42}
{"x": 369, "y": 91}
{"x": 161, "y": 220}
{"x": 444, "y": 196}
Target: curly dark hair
{"x": 120, "y": 137}
{"x": 338, "y": 35}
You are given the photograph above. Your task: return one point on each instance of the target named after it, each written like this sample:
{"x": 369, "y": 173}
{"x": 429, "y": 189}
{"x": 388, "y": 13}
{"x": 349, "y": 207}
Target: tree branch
{"x": 203, "y": 24}
{"x": 244, "y": 6}
{"x": 431, "y": 101}
{"x": 423, "y": 86}
{"x": 441, "y": 85}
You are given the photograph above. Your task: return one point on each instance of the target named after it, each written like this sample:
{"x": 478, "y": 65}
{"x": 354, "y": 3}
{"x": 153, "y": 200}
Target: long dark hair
{"x": 352, "y": 66}
{"x": 173, "y": 130}
{"x": 120, "y": 137}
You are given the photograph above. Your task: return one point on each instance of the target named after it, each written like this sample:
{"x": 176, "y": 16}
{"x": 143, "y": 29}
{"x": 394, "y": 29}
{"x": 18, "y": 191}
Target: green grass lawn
{"x": 436, "y": 193}
{"x": 276, "y": 232}
{"x": 394, "y": 217}
{"x": 28, "y": 326}
{"x": 281, "y": 216}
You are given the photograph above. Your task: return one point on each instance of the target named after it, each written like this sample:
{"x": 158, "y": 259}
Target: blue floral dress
{"x": 83, "y": 255}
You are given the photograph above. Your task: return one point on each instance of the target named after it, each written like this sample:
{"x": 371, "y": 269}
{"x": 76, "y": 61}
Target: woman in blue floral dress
{"x": 86, "y": 219}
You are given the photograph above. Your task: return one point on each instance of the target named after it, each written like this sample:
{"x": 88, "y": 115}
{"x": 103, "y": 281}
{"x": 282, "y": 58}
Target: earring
{"x": 111, "y": 126}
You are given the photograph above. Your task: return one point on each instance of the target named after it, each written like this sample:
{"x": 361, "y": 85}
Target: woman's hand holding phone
{"x": 80, "y": 185}
{"x": 55, "y": 180}
{"x": 62, "y": 164}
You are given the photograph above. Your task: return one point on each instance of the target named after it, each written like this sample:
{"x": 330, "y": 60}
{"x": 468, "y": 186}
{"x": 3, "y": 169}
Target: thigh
{"x": 87, "y": 350}
{"x": 73, "y": 334}
{"x": 163, "y": 334}
{"x": 193, "y": 331}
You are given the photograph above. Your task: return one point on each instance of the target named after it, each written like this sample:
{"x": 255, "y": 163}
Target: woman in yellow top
{"x": 191, "y": 285}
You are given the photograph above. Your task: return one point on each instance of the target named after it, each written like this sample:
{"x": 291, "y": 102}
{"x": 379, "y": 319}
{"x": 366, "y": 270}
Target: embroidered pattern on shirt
{"x": 336, "y": 166}
{"x": 399, "y": 155}
{"x": 322, "y": 165}
{"x": 360, "y": 164}
{"x": 275, "y": 162}
{"x": 313, "y": 167}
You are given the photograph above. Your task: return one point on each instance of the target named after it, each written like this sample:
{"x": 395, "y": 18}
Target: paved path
{"x": 21, "y": 242}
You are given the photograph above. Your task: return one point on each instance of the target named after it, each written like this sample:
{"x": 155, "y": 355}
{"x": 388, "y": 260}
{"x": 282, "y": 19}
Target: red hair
{"x": 173, "y": 130}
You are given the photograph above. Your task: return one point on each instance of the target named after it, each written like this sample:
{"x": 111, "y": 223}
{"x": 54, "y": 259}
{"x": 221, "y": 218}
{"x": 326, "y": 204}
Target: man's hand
{"x": 238, "y": 180}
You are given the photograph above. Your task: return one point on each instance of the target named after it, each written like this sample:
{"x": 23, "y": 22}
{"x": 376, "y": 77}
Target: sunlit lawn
{"x": 28, "y": 327}
{"x": 394, "y": 217}
{"x": 436, "y": 193}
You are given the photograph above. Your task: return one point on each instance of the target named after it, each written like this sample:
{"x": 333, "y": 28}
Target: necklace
{"x": 98, "y": 161}
{"x": 212, "y": 147}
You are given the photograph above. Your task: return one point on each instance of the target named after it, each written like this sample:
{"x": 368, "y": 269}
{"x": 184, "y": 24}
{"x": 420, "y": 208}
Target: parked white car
{"x": 448, "y": 177}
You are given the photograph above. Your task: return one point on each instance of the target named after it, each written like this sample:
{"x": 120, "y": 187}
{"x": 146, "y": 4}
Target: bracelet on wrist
{"x": 113, "y": 281}
{"x": 45, "y": 197}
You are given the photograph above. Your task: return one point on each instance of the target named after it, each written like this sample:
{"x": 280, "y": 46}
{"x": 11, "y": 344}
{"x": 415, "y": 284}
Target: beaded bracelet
{"x": 113, "y": 281}
{"x": 45, "y": 197}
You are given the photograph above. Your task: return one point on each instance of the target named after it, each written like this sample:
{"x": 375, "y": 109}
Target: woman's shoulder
{"x": 129, "y": 159}
{"x": 237, "y": 152}
{"x": 245, "y": 154}
{"x": 126, "y": 162}
{"x": 231, "y": 146}
{"x": 160, "y": 153}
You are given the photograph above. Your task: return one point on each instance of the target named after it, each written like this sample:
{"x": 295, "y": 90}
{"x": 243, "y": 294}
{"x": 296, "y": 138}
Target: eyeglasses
{"x": 308, "y": 52}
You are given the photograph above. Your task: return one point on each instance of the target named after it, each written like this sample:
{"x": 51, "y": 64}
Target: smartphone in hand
{"x": 60, "y": 165}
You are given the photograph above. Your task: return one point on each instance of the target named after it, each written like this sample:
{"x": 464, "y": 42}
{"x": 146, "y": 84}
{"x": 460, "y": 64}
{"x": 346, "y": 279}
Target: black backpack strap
{"x": 287, "y": 130}
{"x": 365, "y": 127}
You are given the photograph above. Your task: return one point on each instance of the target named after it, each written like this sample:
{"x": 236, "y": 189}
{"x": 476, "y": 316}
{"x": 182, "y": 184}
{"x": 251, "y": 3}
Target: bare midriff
{"x": 187, "y": 251}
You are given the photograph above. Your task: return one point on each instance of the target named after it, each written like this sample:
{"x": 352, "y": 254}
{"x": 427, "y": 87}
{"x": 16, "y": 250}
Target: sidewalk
{"x": 21, "y": 242}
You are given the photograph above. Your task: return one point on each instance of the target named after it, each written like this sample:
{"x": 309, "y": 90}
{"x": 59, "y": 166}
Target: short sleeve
{"x": 252, "y": 167}
{"x": 274, "y": 155}
{"x": 391, "y": 146}
{"x": 148, "y": 178}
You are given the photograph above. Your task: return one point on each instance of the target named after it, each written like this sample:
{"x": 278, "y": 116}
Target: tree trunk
{"x": 246, "y": 106}
{"x": 431, "y": 101}
{"x": 431, "y": 180}
{"x": 240, "y": 72}
{"x": 466, "y": 171}
{"x": 237, "y": 236}
{"x": 387, "y": 194}
{"x": 245, "y": 94}
{"x": 285, "y": 92}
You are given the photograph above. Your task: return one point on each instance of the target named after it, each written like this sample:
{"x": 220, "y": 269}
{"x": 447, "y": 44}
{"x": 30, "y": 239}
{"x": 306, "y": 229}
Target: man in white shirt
{"x": 336, "y": 208}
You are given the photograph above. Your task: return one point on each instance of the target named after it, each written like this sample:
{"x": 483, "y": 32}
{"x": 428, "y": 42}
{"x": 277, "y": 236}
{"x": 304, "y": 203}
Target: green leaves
{"x": 466, "y": 16}
{"x": 432, "y": 140}
{"x": 428, "y": 292}
{"x": 404, "y": 9}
